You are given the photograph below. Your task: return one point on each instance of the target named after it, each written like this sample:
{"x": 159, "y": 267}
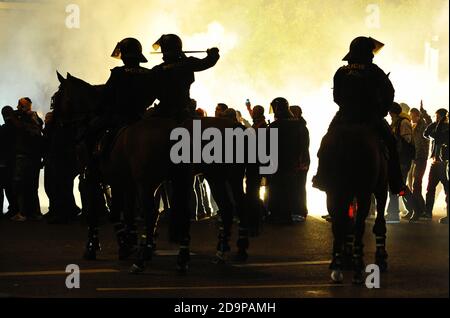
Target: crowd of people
{"x": 23, "y": 137}
{"x": 415, "y": 130}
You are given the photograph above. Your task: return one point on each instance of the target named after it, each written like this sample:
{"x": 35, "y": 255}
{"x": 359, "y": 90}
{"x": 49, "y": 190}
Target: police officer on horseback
{"x": 176, "y": 75}
{"x": 127, "y": 95}
{"x": 125, "y": 99}
{"x": 364, "y": 94}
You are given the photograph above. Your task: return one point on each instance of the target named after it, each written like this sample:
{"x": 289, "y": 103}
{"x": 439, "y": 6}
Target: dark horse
{"x": 360, "y": 170}
{"x": 139, "y": 162}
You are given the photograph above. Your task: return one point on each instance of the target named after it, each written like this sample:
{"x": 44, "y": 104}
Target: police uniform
{"x": 175, "y": 77}
{"x": 364, "y": 95}
{"x": 127, "y": 94}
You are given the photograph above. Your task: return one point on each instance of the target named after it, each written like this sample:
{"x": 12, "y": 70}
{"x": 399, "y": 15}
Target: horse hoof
{"x": 241, "y": 256}
{"x": 337, "y": 276}
{"x": 136, "y": 269}
{"x": 358, "y": 278}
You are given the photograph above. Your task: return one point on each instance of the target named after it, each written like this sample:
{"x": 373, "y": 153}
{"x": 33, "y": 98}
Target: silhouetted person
{"x": 242, "y": 120}
{"x": 126, "y": 97}
{"x": 445, "y": 158}
{"x": 7, "y": 158}
{"x": 220, "y": 108}
{"x": 60, "y": 170}
{"x": 293, "y": 143}
{"x": 127, "y": 93}
{"x": 231, "y": 114}
{"x": 420, "y": 121}
{"x": 437, "y": 132}
{"x": 257, "y": 115}
{"x": 27, "y": 164}
{"x": 302, "y": 210}
{"x": 176, "y": 75}
{"x": 201, "y": 113}
{"x": 255, "y": 205}
{"x": 364, "y": 95}
{"x": 401, "y": 127}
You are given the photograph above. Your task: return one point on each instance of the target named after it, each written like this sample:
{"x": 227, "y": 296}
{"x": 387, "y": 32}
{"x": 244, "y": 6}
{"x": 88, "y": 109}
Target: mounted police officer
{"x": 176, "y": 75}
{"x": 364, "y": 94}
{"x": 126, "y": 95}
{"x": 126, "y": 98}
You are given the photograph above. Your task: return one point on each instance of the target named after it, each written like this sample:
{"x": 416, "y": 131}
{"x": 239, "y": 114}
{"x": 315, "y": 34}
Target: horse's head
{"x": 75, "y": 99}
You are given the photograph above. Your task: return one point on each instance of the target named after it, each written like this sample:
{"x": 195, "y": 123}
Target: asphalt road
{"x": 285, "y": 262}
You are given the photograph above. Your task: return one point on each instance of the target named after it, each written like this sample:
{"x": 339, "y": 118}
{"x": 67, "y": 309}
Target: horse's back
{"x": 357, "y": 160}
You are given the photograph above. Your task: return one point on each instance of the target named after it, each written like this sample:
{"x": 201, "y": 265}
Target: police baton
{"x": 189, "y": 52}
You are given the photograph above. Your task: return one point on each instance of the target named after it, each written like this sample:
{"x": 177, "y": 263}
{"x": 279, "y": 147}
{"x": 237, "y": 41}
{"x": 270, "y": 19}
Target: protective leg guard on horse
{"x": 222, "y": 194}
{"x": 151, "y": 216}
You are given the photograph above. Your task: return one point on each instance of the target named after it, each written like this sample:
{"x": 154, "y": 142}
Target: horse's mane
{"x": 82, "y": 83}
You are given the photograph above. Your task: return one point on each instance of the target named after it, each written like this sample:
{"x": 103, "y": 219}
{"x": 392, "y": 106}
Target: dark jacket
{"x": 421, "y": 143}
{"x": 174, "y": 82}
{"x": 127, "y": 94}
{"x": 6, "y": 145}
{"x": 293, "y": 144}
{"x": 438, "y": 134}
{"x": 27, "y": 134}
{"x": 363, "y": 92}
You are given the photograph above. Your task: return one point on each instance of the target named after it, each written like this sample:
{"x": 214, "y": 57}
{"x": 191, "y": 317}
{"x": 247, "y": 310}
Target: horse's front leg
{"x": 379, "y": 229}
{"x": 337, "y": 206}
{"x": 91, "y": 195}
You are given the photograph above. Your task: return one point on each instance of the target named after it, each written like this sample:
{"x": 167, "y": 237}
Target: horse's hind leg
{"x": 379, "y": 229}
{"x": 358, "y": 248}
{"x": 145, "y": 253}
{"x": 338, "y": 210}
{"x": 180, "y": 218}
{"x": 126, "y": 233}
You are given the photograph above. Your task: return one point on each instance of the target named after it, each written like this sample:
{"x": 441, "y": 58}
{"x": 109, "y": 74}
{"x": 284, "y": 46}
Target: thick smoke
{"x": 269, "y": 48}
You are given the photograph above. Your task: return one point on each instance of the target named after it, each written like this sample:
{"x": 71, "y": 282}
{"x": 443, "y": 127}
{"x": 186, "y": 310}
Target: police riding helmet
{"x": 129, "y": 48}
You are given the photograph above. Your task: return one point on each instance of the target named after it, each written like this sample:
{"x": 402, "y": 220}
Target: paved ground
{"x": 285, "y": 261}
